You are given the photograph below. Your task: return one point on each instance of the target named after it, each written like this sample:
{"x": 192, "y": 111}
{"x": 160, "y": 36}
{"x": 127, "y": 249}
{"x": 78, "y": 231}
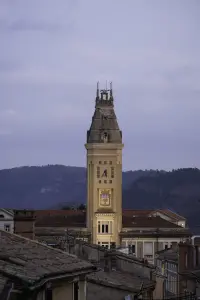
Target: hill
{"x": 53, "y": 186}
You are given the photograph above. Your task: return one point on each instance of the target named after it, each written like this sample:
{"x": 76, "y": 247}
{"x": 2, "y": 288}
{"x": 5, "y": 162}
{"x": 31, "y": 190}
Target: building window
{"x": 105, "y": 181}
{"x": 98, "y": 172}
{"x": 148, "y": 248}
{"x": 110, "y": 181}
{"x": 112, "y": 172}
{"x": 105, "y": 162}
{"x": 123, "y": 244}
{"x": 100, "y": 162}
{"x": 7, "y": 227}
{"x": 99, "y": 181}
{"x": 166, "y": 245}
{"x": 110, "y": 162}
{"x": 133, "y": 249}
{"x": 75, "y": 291}
{"x": 105, "y": 244}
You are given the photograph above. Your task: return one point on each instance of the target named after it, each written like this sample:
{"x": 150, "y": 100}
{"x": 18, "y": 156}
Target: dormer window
{"x": 2, "y": 217}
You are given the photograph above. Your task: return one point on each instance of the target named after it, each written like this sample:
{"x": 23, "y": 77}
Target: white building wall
{"x": 6, "y": 221}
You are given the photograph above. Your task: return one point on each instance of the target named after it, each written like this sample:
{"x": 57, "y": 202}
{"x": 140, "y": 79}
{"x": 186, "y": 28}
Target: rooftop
{"x": 142, "y": 212}
{"x": 147, "y": 221}
{"x": 168, "y": 254}
{"x": 31, "y": 261}
{"x": 120, "y": 280}
{"x": 73, "y": 218}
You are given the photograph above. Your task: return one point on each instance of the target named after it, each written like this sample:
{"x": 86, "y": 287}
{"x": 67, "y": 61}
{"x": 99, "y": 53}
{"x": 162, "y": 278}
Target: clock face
{"x": 105, "y": 197}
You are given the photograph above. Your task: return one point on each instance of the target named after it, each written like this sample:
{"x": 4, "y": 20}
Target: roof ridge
{"x": 38, "y": 243}
{"x": 175, "y": 213}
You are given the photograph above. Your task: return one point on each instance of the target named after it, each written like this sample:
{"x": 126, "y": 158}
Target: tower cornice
{"x": 104, "y": 146}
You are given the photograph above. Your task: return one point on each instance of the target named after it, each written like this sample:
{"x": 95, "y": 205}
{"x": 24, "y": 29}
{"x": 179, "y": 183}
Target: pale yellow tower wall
{"x": 101, "y": 158}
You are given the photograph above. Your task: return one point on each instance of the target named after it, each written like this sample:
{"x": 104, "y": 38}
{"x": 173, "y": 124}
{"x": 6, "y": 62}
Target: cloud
{"x": 52, "y": 55}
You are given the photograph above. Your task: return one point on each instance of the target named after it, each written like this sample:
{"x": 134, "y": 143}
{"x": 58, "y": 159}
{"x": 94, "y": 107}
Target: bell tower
{"x": 104, "y": 172}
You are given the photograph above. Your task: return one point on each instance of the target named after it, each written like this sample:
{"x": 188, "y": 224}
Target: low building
{"x": 31, "y": 270}
{"x": 178, "y": 271}
{"x": 7, "y": 220}
{"x": 167, "y": 273}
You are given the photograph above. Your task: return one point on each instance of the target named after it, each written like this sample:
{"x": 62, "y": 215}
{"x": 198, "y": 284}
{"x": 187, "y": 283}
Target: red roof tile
{"x": 150, "y": 222}
{"x": 60, "y": 212}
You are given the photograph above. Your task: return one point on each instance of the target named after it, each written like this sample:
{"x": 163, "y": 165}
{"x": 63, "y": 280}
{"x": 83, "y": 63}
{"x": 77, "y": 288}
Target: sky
{"x": 52, "y": 53}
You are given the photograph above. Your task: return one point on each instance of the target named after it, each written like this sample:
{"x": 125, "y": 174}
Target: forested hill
{"x": 55, "y": 185}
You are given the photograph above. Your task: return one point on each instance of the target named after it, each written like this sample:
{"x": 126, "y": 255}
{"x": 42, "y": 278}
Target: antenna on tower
{"x": 106, "y": 85}
{"x": 97, "y": 89}
{"x": 111, "y": 87}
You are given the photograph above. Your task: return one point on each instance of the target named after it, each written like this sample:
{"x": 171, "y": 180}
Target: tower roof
{"x": 104, "y": 127}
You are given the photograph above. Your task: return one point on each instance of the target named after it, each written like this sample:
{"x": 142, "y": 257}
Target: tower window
{"x": 110, "y": 181}
{"x": 112, "y": 172}
{"x": 104, "y": 227}
{"x": 110, "y": 162}
{"x": 105, "y": 162}
{"x": 99, "y": 227}
{"x": 105, "y": 181}
{"x": 98, "y": 172}
{"x": 99, "y": 181}
{"x": 100, "y": 162}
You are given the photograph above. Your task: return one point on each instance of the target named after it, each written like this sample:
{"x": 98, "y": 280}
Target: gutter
{"x": 61, "y": 276}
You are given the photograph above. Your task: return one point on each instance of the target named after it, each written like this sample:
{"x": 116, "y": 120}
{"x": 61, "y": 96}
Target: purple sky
{"x": 52, "y": 54}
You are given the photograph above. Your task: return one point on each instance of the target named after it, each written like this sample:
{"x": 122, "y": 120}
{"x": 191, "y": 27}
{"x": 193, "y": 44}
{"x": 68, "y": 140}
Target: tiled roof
{"x": 136, "y": 212}
{"x": 126, "y": 212}
{"x": 145, "y": 212}
{"x": 32, "y": 261}
{"x": 58, "y": 212}
{"x": 120, "y": 280}
{"x": 76, "y": 220}
{"x": 151, "y": 222}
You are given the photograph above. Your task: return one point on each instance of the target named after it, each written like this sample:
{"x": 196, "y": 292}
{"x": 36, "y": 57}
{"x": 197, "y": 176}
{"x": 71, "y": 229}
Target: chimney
{"x": 185, "y": 262}
{"x": 174, "y": 245}
{"x": 24, "y": 223}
